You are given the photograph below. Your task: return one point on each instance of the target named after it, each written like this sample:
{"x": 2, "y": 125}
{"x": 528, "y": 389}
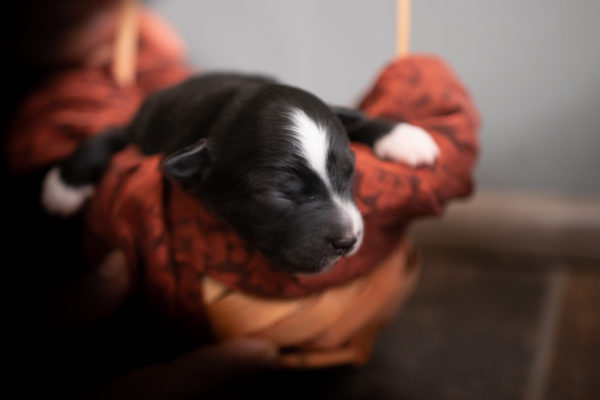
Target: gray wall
{"x": 533, "y": 67}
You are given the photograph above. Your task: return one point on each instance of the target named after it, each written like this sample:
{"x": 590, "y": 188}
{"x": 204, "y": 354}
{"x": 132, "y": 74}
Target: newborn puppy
{"x": 271, "y": 160}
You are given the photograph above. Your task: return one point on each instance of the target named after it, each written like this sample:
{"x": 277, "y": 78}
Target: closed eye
{"x": 274, "y": 199}
{"x": 290, "y": 186}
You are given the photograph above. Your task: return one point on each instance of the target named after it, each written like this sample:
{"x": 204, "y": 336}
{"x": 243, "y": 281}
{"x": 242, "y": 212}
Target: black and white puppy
{"x": 272, "y": 160}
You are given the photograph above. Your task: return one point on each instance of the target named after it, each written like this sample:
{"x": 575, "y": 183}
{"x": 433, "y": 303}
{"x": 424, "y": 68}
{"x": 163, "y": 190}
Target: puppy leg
{"x": 66, "y": 187}
{"x": 409, "y": 144}
{"x": 62, "y": 198}
{"x": 398, "y": 142}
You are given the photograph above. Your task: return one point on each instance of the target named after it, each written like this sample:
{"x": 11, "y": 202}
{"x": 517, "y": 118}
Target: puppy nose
{"x": 343, "y": 245}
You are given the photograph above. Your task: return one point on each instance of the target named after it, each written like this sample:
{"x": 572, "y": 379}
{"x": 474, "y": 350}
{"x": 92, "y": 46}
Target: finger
{"x": 193, "y": 374}
{"x": 91, "y": 298}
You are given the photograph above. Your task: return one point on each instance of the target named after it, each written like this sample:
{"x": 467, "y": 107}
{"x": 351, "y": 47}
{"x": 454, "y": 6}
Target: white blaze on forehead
{"x": 313, "y": 142}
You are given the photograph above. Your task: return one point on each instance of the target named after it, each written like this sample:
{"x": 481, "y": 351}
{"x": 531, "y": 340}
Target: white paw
{"x": 59, "y": 198}
{"x": 408, "y": 144}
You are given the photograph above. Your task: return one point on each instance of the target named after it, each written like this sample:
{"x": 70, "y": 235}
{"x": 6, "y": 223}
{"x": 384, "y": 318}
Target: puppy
{"x": 271, "y": 160}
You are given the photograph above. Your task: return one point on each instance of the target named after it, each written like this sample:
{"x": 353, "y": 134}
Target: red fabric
{"x": 170, "y": 239}
{"x": 179, "y": 235}
{"x": 77, "y": 103}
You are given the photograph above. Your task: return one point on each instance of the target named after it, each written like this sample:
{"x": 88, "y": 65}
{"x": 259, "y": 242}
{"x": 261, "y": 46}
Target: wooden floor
{"x": 481, "y": 325}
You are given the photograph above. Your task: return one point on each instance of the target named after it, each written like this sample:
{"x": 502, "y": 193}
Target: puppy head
{"x": 279, "y": 169}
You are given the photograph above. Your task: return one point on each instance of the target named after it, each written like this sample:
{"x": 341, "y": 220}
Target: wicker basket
{"x": 336, "y": 326}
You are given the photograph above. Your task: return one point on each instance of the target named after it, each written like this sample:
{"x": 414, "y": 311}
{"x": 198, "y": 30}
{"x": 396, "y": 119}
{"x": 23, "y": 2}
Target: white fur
{"x": 408, "y": 144}
{"x": 356, "y": 221}
{"x": 60, "y": 198}
{"x": 313, "y": 142}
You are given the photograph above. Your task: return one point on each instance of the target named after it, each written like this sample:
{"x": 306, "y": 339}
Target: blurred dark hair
{"x": 32, "y": 41}
{"x": 38, "y": 28}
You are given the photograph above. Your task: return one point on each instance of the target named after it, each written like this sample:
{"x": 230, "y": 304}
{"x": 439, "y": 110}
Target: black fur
{"x": 226, "y": 140}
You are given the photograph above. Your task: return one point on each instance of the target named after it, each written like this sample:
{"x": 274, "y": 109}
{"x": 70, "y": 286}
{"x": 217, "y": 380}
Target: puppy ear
{"x": 187, "y": 163}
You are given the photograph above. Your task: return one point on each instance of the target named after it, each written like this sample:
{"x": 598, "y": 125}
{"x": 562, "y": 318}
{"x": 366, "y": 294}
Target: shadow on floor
{"x": 480, "y": 326}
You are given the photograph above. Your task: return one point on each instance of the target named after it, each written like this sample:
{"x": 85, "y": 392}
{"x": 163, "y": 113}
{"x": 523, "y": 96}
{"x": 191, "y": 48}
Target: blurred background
{"x": 508, "y": 306}
{"x": 532, "y": 67}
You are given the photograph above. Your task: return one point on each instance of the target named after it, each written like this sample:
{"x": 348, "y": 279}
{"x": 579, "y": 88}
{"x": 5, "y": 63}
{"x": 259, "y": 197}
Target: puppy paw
{"x": 61, "y": 199}
{"x": 408, "y": 144}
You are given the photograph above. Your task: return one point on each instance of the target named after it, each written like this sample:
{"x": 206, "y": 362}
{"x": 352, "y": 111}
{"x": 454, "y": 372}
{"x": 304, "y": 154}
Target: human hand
{"x": 95, "y": 296}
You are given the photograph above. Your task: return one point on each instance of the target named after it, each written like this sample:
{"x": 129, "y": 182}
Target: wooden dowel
{"x": 402, "y": 27}
{"x": 125, "y": 49}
